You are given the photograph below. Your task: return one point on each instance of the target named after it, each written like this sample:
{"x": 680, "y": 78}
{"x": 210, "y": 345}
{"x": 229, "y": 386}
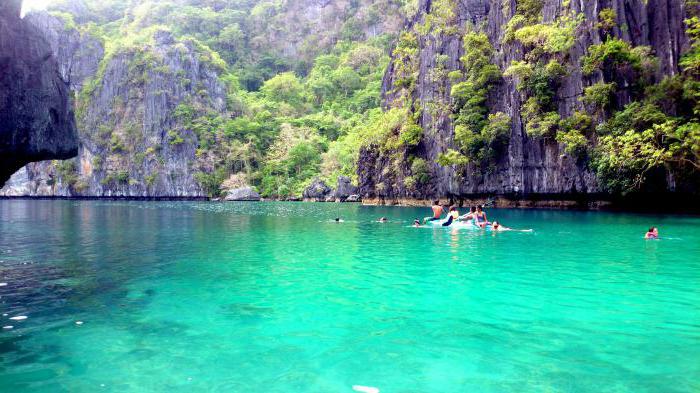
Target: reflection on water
{"x": 276, "y": 297}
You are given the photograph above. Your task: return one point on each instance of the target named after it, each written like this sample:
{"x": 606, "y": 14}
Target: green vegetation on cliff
{"x": 293, "y": 97}
{"x": 275, "y": 93}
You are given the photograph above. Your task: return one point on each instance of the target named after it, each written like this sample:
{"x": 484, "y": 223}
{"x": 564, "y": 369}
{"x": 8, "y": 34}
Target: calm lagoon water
{"x": 274, "y": 297}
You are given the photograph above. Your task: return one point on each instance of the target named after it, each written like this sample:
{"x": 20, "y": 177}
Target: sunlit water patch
{"x": 277, "y": 297}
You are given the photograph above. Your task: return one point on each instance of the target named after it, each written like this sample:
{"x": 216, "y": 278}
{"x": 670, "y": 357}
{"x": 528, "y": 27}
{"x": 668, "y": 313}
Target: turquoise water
{"x": 274, "y": 297}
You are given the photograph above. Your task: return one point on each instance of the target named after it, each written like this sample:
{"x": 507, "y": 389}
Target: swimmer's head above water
{"x": 653, "y": 233}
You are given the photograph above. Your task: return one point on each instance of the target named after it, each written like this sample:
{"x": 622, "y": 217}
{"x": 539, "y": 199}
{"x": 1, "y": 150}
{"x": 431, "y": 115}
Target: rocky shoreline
{"x": 103, "y": 198}
{"x": 346, "y": 192}
{"x": 630, "y": 204}
{"x": 498, "y": 202}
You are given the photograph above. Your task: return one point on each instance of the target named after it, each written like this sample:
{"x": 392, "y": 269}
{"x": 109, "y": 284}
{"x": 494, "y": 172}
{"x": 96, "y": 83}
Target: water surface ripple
{"x": 276, "y": 297}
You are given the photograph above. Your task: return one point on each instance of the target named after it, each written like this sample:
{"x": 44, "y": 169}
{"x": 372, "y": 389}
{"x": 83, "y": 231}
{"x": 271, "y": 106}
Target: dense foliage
{"x": 298, "y": 101}
{"x": 303, "y": 102}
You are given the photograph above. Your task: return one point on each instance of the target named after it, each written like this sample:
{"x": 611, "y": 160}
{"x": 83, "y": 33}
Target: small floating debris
{"x": 19, "y": 318}
{"x": 8, "y": 327}
{"x": 78, "y": 322}
{"x": 365, "y": 389}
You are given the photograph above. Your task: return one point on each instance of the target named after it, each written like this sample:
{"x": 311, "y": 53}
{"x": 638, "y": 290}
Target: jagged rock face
{"x": 242, "y": 194}
{"x": 36, "y": 116}
{"x": 344, "y": 189}
{"x": 132, "y": 143}
{"x": 36, "y": 178}
{"x": 78, "y": 53}
{"x": 318, "y": 191}
{"x": 530, "y": 165}
{"x": 128, "y": 146}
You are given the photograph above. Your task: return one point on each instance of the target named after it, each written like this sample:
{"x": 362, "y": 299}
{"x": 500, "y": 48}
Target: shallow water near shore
{"x": 276, "y": 297}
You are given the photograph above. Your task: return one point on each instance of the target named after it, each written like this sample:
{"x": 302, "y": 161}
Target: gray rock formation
{"x": 530, "y": 166}
{"x": 78, "y": 53}
{"x": 36, "y": 116}
{"x": 35, "y": 179}
{"x": 317, "y": 191}
{"x": 242, "y": 194}
{"x": 344, "y": 188}
{"x": 132, "y": 142}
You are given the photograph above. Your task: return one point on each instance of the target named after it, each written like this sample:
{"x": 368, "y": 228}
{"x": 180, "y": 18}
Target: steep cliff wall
{"x": 432, "y": 57}
{"x": 169, "y": 119}
{"x": 134, "y": 120}
{"x": 36, "y": 115}
{"x": 135, "y": 106}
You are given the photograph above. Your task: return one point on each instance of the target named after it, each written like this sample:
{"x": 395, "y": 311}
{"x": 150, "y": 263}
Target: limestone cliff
{"x": 134, "y": 107}
{"x": 529, "y": 165}
{"x": 36, "y": 115}
{"x": 144, "y": 107}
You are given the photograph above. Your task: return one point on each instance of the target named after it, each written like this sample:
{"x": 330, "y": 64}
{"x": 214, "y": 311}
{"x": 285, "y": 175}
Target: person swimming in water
{"x": 480, "y": 219}
{"x": 496, "y": 226}
{"x": 382, "y": 219}
{"x": 437, "y": 212}
{"x": 416, "y": 223}
{"x": 652, "y": 233}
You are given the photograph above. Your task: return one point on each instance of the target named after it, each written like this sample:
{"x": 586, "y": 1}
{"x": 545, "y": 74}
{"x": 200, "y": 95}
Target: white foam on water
{"x": 3, "y": 284}
{"x": 365, "y": 389}
{"x": 19, "y": 318}
{"x": 8, "y": 327}
{"x": 78, "y": 322}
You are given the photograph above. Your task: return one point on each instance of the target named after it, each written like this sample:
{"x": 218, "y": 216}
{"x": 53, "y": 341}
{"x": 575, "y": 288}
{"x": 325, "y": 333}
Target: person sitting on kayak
{"x": 653, "y": 233}
{"x": 480, "y": 219}
{"x": 468, "y": 216}
{"x": 437, "y": 212}
{"x": 451, "y": 216}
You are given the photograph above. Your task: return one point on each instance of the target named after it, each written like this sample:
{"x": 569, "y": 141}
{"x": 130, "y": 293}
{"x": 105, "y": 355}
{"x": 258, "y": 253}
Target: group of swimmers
{"x": 476, "y": 215}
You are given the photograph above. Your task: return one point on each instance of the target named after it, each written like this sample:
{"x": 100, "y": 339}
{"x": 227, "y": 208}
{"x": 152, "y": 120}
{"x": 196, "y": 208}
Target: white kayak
{"x": 455, "y": 224}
